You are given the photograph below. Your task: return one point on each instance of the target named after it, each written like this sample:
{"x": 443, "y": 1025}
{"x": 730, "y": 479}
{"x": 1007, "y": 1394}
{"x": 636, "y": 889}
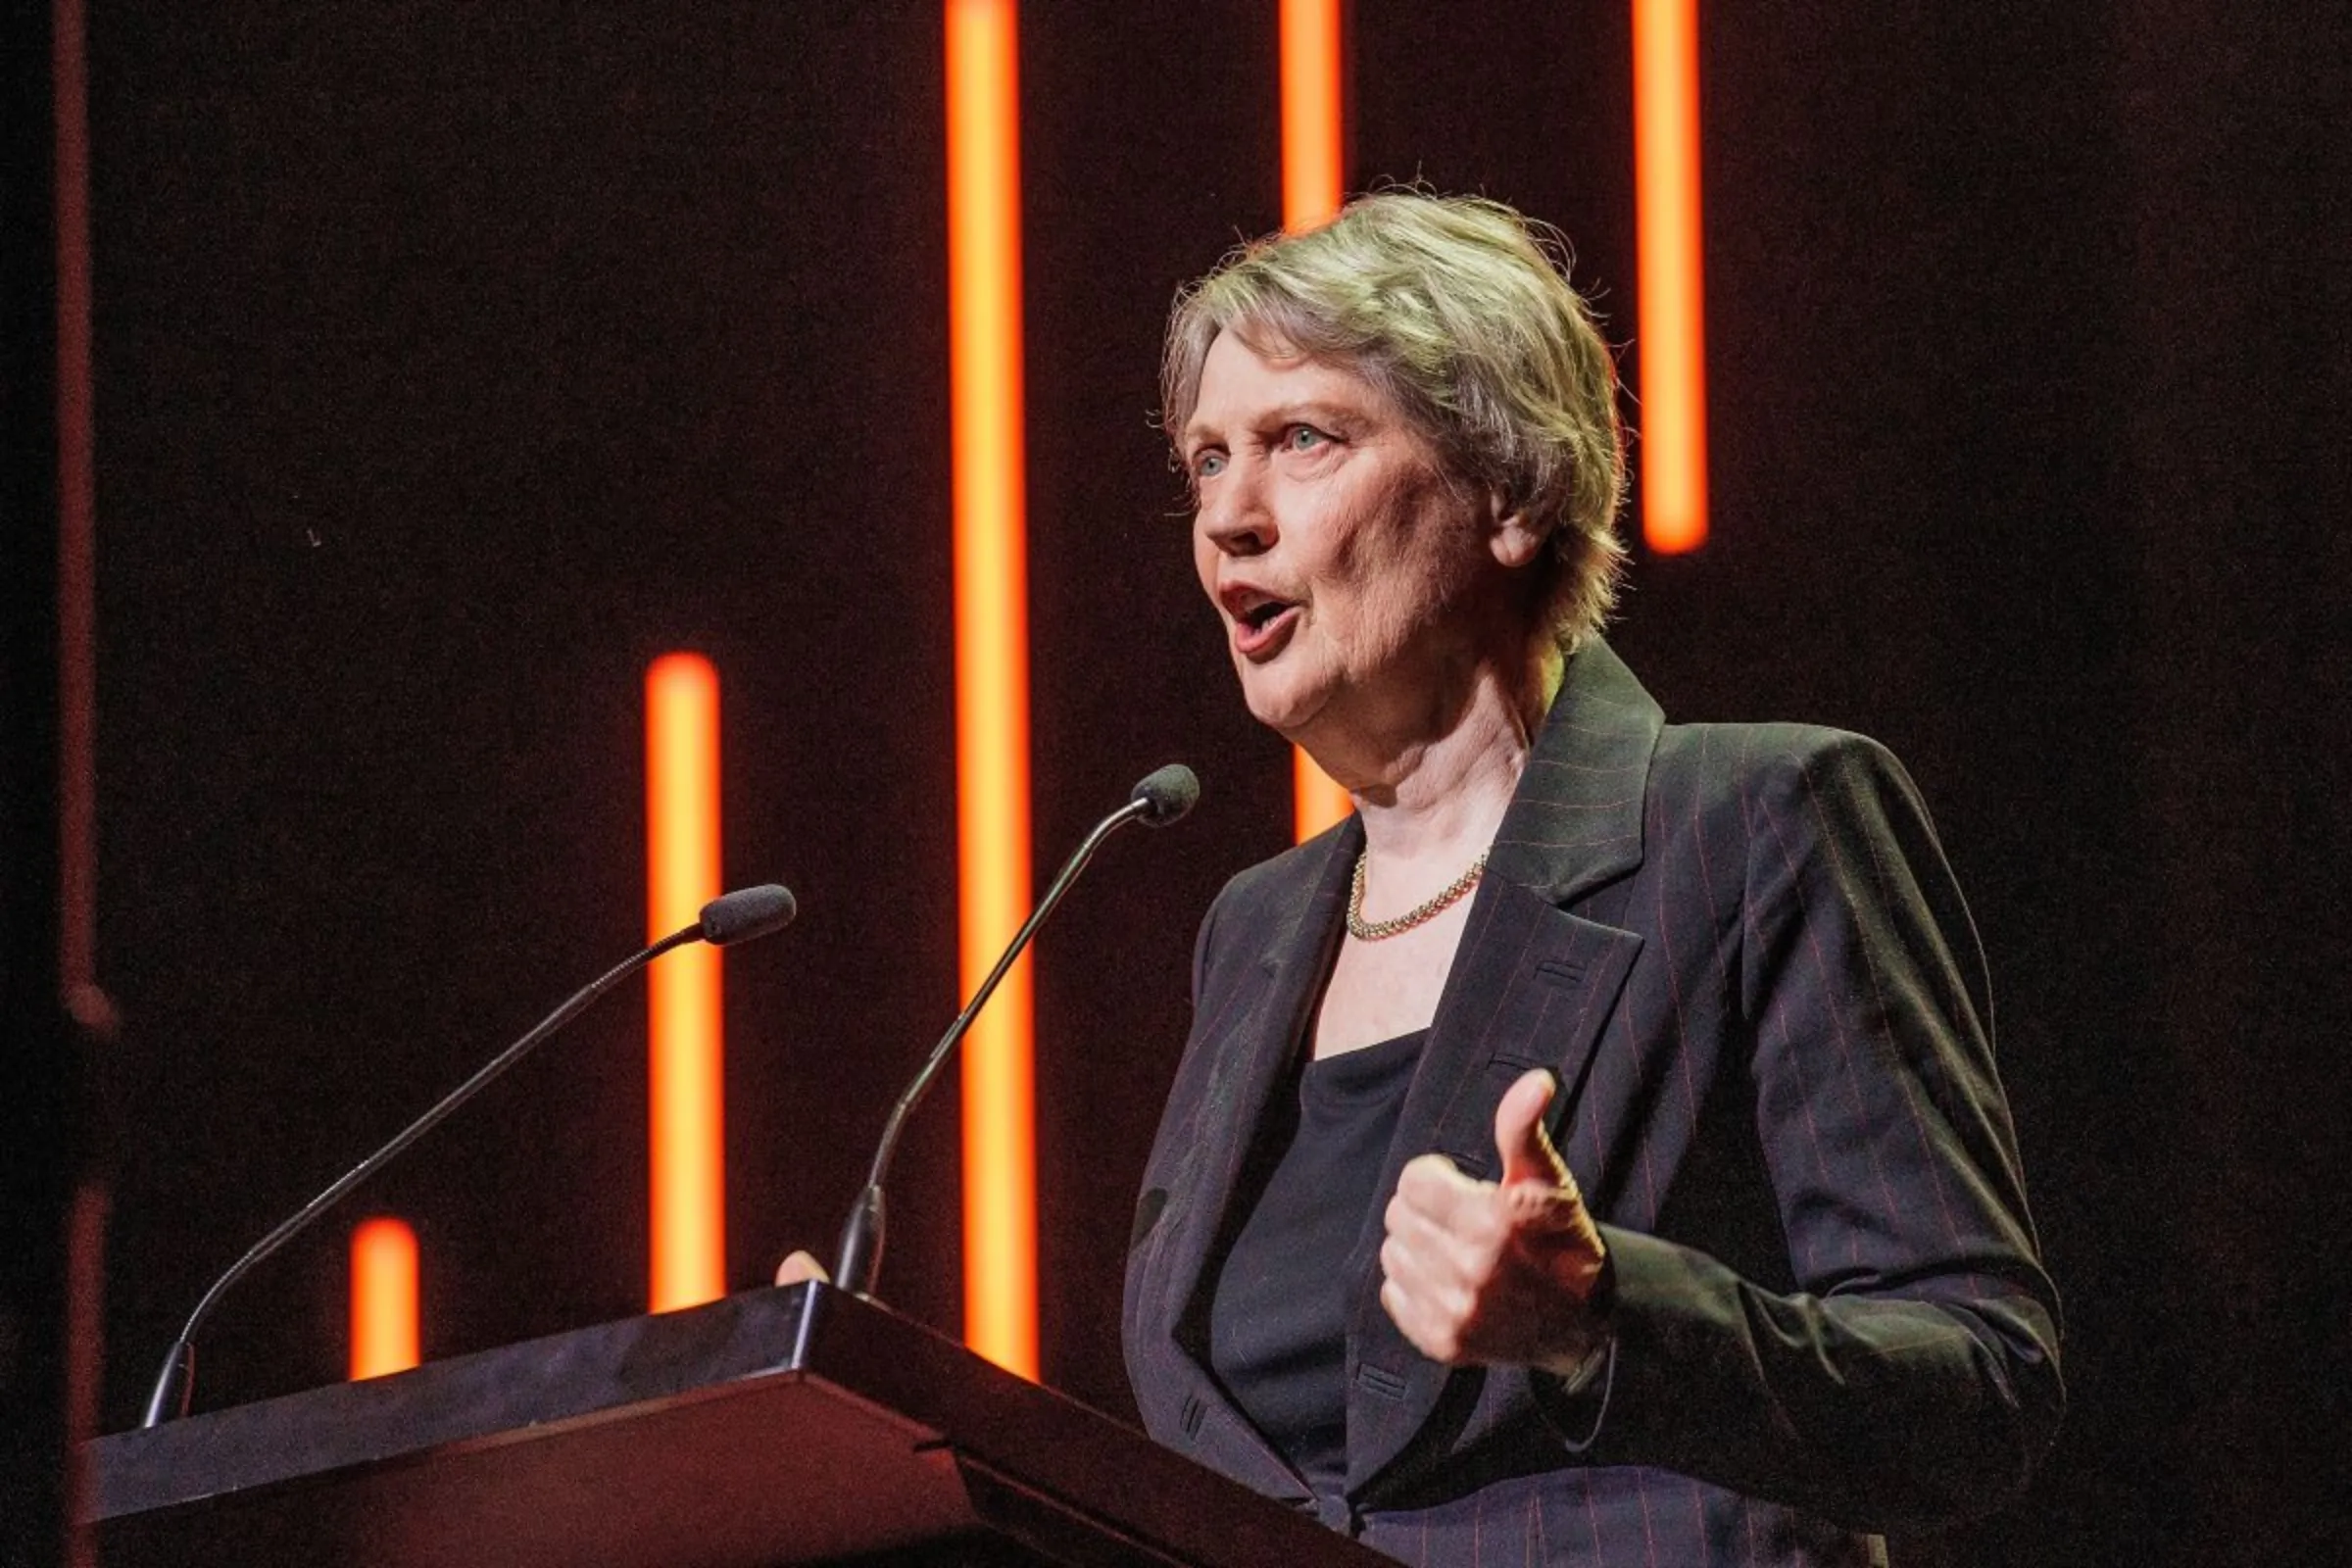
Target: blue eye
{"x": 1209, "y": 464}
{"x": 1302, "y": 438}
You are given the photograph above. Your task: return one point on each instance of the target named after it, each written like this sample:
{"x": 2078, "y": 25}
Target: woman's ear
{"x": 1514, "y": 540}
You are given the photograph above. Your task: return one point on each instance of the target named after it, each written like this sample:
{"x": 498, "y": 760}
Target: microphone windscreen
{"x": 1167, "y": 793}
{"x": 748, "y": 914}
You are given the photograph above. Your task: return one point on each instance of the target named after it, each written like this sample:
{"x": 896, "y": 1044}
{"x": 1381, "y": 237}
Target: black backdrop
{"x": 453, "y": 361}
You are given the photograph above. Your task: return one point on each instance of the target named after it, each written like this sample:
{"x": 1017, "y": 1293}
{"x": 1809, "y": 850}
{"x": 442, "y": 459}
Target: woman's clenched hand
{"x": 1501, "y": 1271}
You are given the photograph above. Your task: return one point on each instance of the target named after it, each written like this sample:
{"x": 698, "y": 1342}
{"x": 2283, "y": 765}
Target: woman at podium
{"x": 1589, "y": 1151}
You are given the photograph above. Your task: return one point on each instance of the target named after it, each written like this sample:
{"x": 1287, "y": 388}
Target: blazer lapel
{"x": 1250, "y": 1054}
{"x": 1532, "y": 985}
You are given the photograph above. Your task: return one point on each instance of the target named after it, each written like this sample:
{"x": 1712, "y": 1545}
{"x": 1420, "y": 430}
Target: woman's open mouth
{"x": 1261, "y": 631}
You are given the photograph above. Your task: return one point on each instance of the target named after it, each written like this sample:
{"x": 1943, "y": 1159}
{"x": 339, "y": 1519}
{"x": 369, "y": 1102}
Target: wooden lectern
{"x": 786, "y": 1426}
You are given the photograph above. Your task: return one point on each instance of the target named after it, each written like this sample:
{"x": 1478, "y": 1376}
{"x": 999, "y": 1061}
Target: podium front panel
{"x": 777, "y": 1427}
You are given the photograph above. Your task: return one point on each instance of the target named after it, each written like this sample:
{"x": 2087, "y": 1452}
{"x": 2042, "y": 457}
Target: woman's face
{"x": 1356, "y": 585}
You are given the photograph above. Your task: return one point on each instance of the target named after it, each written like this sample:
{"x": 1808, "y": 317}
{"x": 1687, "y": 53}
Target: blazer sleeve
{"x": 1911, "y": 1376}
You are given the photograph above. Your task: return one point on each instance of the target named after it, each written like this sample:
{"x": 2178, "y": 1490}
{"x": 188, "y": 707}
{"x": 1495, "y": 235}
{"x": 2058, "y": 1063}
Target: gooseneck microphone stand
{"x": 738, "y": 916}
{"x": 1158, "y": 801}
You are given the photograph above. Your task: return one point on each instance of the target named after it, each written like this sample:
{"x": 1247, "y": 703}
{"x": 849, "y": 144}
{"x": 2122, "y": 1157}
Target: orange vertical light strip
{"x": 384, "y": 1335}
{"x": 1316, "y": 801}
{"x": 1314, "y": 134}
{"x": 1673, "y": 351}
{"x": 992, "y": 674}
{"x": 688, "y": 1179}
{"x": 1313, "y": 183}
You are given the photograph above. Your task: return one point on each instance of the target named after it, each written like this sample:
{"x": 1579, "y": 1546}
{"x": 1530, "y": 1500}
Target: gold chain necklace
{"x": 1364, "y": 930}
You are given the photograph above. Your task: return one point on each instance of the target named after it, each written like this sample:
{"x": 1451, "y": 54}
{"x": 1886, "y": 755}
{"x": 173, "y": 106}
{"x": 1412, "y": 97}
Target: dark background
{"x": 451, "y": 363}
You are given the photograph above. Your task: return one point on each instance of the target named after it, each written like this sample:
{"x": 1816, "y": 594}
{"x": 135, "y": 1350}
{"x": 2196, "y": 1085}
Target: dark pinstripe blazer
{"x": 1741, "y": 951}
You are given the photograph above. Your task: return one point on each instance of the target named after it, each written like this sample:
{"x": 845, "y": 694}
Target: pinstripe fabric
{"x": 1741, "y": 952}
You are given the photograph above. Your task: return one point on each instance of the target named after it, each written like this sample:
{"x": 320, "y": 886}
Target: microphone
{"x": 743, "y": 916}
{"x": 1167, "y": 795}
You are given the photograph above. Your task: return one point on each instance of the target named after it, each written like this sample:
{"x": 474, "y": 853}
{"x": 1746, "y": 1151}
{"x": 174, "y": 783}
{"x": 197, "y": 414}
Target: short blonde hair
{"x": 1459, "y": 310}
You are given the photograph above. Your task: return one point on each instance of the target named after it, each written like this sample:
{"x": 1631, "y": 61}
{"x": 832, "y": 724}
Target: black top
{"x": 1278, "y": 1325}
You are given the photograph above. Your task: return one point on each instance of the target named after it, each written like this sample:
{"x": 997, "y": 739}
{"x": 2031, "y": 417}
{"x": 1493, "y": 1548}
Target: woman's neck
{"x": 1434, "y": 789}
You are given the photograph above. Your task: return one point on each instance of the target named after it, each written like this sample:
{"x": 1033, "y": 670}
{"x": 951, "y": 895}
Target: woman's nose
{"x": 1234, "y": 514}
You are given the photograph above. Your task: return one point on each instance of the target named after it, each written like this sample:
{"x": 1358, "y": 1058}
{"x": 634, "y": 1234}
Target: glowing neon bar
{"x": 1673, "y": 346}
{"x": 688, "y": 1178}
{"x": 1314, "y": 184}
{"x": 1316, "y": 801}
{"x": 992, "y": 674}
{"x": 384, "y": 1335}
{"x": 1313, "y": 120}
